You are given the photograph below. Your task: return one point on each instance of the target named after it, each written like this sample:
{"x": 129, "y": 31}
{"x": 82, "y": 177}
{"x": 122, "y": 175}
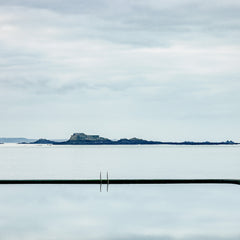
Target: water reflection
{"x": 165, "y": 212}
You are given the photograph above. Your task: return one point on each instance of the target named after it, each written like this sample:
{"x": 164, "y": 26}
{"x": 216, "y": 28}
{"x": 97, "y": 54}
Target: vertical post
{"x": 100, "y": 181}
{"x": 107, "y": 182}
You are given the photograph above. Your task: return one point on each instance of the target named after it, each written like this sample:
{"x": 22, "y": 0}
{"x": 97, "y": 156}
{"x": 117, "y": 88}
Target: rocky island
{"x": 84, "y": 139}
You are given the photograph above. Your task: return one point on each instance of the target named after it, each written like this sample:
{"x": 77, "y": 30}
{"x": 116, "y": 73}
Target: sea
{"x": 121, "y": 212}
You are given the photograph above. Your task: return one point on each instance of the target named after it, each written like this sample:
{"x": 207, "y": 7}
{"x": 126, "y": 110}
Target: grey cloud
{"x": 166, "y": 59}
{"x": 42, "y": 86}
{"x": 140, "y": 24}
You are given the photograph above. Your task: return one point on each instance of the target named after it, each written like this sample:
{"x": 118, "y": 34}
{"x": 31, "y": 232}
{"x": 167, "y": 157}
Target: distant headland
{"x": 84, "y": 139}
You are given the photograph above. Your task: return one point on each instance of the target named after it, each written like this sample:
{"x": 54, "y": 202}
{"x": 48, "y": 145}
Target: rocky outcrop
{"x": 43, "y": 141}
{"x": 84, "y": 139}
{"x": 134, "y": 141}
{"x": 81, "y": 138}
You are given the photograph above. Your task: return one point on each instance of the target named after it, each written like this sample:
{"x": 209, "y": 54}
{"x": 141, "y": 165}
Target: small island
{"x": 84, "y": 139}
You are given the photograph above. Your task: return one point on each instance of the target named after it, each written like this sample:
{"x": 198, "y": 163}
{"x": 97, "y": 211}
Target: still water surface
{"x": 158, "y": 161}
{"x": 164, "y": 212}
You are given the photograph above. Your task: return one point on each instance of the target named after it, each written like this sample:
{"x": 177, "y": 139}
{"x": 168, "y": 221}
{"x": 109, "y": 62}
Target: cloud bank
{"x": 156, "y": 69}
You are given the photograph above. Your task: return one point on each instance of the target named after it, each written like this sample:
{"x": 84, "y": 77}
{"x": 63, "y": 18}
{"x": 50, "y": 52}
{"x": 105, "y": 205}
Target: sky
{"x": 161, "y": 70}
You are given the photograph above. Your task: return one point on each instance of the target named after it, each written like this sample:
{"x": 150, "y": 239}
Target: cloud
{"x": 143, "y": 53}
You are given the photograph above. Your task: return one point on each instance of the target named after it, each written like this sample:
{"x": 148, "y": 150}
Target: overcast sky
{"x": 163, "y": 70}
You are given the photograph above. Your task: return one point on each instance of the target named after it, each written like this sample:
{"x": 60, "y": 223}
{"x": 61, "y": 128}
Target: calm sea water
{"x": 158, "y": 161}
{"x": 165, "y": 212}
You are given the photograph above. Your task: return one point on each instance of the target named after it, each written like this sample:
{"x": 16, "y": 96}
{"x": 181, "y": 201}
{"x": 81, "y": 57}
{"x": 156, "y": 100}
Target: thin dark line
{"x": 121, "y": 181}
{"x": 107, "y": 182}
{"x": 100, "y": 182}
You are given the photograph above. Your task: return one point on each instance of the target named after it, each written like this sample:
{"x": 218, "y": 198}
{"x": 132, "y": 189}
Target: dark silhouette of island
{"x": 84, "y": 139}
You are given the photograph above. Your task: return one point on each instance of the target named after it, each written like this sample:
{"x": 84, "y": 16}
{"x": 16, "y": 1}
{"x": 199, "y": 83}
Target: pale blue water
{"x": 33, "y": 161}
{"x": 165, "y": 212}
